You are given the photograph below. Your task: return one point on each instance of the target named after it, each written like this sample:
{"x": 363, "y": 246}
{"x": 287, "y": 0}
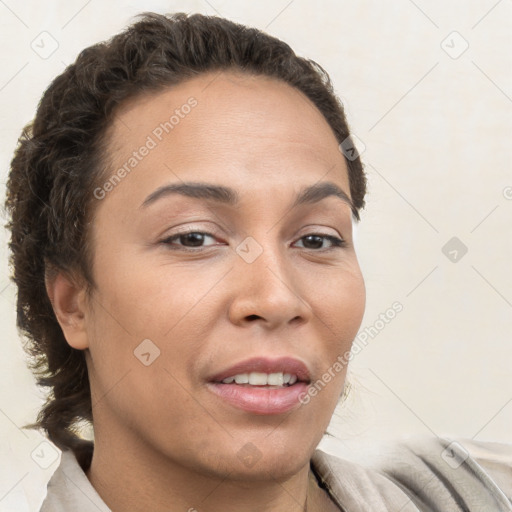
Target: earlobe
{"x": 68, "y": 301}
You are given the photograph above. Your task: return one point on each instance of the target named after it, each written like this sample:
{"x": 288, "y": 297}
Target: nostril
{"x": 253, "y": 317}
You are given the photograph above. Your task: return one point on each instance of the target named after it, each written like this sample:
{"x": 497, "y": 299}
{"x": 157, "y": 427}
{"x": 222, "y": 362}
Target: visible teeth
{"x": 258, "y": 379}
{"x": 275, "y": 379}
{"x": 262, "y": 379}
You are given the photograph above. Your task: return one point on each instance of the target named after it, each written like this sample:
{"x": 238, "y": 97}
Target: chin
{"x": 280, "y": 458}
{"x": 254, "y": 461}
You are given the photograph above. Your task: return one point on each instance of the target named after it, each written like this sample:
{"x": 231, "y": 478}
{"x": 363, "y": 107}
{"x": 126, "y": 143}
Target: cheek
{"x": 154, "y": 299}
{"x": 338, "y": 299}
{"x": 172, "y": 307}
{"x": 338, "y": 302}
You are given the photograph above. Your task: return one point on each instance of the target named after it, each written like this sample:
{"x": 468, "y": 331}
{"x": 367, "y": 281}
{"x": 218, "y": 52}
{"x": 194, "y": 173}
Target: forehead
{"x": 246, "y": 126}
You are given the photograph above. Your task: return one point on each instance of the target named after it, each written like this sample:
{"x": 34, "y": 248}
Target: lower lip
{"x": 260, "y": 400}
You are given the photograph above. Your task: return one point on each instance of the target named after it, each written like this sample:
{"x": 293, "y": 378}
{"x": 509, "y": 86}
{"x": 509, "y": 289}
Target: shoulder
{"x": 422, "y": 474}
{"x": 70, "y": 489}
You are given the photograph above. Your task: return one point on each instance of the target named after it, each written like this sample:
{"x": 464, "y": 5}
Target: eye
{"x": 187, "y": 240}
{"x": 315, "y": 241}
{"x": 194, "y": 241}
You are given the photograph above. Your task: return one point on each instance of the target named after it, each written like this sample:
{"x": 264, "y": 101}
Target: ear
{"x": 68, "y": 301}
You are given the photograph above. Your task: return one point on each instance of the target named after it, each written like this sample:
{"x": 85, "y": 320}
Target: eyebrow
{"x": 229, "y": 196}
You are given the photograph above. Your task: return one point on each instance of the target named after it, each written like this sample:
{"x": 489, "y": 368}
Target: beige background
{"x": 435, "y": 127}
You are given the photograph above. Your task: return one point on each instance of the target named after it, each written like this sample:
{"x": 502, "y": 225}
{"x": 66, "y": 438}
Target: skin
{"x": 163, "y": 440}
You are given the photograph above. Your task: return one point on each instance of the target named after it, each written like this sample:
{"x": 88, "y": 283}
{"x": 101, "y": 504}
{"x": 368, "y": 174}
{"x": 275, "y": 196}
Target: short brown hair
{"x": 61, "y": 157}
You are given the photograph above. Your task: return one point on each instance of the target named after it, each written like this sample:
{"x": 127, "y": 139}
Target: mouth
{"x": 261, "y": 385}
{"x": 272, "y": 380}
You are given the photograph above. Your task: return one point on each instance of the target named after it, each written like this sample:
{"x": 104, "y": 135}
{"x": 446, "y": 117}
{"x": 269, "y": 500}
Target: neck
{"x": 131, "y": 477}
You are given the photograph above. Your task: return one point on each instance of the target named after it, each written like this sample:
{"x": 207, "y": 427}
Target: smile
{"x": 261, "y": 385}
{"x": 279, "y": 379}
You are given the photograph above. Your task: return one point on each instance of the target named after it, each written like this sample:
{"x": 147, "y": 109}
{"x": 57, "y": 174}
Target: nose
{"x": 267, "y": 291}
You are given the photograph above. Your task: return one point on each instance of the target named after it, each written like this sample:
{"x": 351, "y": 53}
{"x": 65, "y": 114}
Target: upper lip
{"x": 266, "y": 365}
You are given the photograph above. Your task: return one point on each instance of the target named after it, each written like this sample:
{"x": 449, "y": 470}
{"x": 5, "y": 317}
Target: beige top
{"x": 426, "y": 475}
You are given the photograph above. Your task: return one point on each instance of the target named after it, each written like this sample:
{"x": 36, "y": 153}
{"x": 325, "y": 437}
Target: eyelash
{"x": 337, "y": 243}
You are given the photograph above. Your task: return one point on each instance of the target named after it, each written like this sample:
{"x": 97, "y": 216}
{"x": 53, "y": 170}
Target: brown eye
{"x": 315, "y": 241}
{"x": 187, "y": 240}
{"x": 194, "y": 239}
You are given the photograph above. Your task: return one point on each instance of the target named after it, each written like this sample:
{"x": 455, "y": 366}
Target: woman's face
{"x": 249, "y": 294}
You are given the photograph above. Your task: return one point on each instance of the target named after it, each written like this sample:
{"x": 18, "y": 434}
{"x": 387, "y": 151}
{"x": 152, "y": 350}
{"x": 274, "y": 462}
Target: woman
{"x": 181, "y": 216}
